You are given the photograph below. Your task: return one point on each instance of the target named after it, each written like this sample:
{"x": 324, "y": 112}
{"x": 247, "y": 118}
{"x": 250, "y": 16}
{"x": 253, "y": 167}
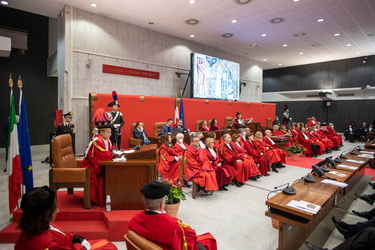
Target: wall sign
{"x": 130, "y": 72}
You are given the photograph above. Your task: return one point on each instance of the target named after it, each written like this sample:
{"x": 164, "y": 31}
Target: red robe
{"x": 54, "y": 240}
{"x": 333, "y": 132}
{"x": 224, "y": 173}
{"x": 311, "y": 123}
{"x": 238, "y": 123}
{"x": 247, "y": 161}
{"x": 316, "y": 141}
{"x": 274, "y": 149}
{"x": 96, "y": 153}
{"x": 306, "y": 143}
{"x": 335, "y": 139}
{"x": 179, "y": 150}
{"x": 204, "y": 128}
{"x": 328, "y": 144}
{"x": 277, "y": 133}
{"x": 199, "y": 169}
{"x": 168, "y": 166}
{"x": 230, "y": 158}
{"x": 169, "y": 232}
{"x": 215, "y": 127}
{"x": 258, "y": 156}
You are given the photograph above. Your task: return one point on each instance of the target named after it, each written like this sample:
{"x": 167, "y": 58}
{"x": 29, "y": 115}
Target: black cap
{"x": 155, "y": 190}
{"x": 323, "y": 124}
{"x": 113, "y": 103}
{"x": 69, "y": 114}
{"x": 238, "y": 113}
{"x": 37, "y": 201}
{"x": 105, "y": 127}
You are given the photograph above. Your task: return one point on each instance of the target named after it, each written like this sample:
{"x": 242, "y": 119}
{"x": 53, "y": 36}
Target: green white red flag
{"x": 176, "y": 113}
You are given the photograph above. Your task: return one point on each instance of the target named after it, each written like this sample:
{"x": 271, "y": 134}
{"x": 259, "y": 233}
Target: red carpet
{"x": 92, "y": 223}
{"x": 370, "y": 172}
{"x": 303, "y": 162}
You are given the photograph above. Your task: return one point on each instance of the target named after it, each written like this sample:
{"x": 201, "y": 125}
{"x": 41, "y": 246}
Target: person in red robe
{"x": 198, "y": 168}
{"x": 322, "y": 134}
{"x": 223, "y": 172}
{"x": 38, "y": 212}
{"x": 257, "y": 152}
{"x": 276, "y": 131}
{"x": 272, "y": 155}
{"x": 322, "y": 146}
{"x": 238, "y": 121}
{"x": 168, "y": 165}
{"x": 253, "y": 172}
{"x": 271, "y": 146}
{"x": 203, "y": 126}
{"x": 328, "y": 144}
{"x": 231, "y": 159}
{"x": 214, "y": 125}
{"x": 312, "y": 122}
{"x": 312, "y": 149}
{"x": 168, "y": 232}
{"x": 99, "y": 149}
{"x": 212, "y": 135}
{"x": 331, "y": 129}
{"x": 180, "y": 146}
{"x": 337, "y": 140}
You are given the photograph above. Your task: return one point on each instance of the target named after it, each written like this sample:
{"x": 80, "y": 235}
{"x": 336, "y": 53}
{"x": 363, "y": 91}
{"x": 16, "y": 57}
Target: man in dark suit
{"x": 117, "y": 122}
{"x": 67, "y": 126}
{"x": 140, "y": 133}
{"x": 167, "y": 128}
{"x": 179, "y": 128}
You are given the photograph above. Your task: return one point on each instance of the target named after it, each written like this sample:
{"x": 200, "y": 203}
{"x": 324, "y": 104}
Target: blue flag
{"x": 24, "y": 146}
{"x": 182, "y": 114}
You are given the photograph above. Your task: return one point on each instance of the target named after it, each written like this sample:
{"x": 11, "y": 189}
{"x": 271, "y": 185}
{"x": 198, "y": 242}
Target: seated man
{"x": 179, "y": 128}
{"x": 312, "y": 148}
{"x": 199, "y": 168}
{"x": 157, "y": 226}
{"x": 167, "y": 128}
{"x": 140, "y": 133}
{"x": 99, "y": 149}
{"x": 349, "y": 230}
{"x": 38, "y": 212}
{"x": 271, "y": 146}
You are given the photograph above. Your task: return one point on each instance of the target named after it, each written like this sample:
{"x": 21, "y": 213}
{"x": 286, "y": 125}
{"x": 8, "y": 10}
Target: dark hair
{"x": 247, "y": 136}
{"x": 235, "y": 136}
{"x": 137, "y": 124}
{"x": 169, "y": 120}
{"x": 165, "y": 138}
{"x": 225, "y": 131}
{"x": 38, "y": 207}
{"x": 211, "y": 134}
{"x": 213, "y": 122}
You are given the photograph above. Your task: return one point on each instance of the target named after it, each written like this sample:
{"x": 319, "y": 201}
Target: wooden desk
{"x": 281, "y": 141}
{"x": 295, "y": 225}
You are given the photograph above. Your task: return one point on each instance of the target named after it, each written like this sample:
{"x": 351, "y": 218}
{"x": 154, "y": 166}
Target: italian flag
{"x": 13, "y": 161}
{"x": 176, "y": 113}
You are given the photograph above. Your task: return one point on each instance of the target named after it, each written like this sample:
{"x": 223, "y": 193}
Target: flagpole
{"x": 19, "y": 85}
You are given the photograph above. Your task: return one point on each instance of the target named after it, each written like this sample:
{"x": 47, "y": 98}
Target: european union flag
{"x": 182, "y": 113}
{"x": 24, "y": 146}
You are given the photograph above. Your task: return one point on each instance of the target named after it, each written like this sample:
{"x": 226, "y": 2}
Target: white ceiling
{"x": 352, "y": 19}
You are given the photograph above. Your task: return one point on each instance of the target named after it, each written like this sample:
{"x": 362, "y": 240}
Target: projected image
{"x": 214, "y": 78}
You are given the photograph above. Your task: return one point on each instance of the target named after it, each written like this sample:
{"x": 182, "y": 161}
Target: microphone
{"x": 309, "y": 178}
{"x": 289, "y": 190}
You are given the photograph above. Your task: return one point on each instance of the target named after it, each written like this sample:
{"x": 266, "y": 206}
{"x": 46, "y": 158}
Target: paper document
{"x": 337, "y": 173}
{"x": 366, "y": 152}
{"x": 366, "y": 156}
{"x": 354, "y": 161}
{"x": 348, "y": 167}
{"x": 336, "y": 183}
{"x": 304, "y": 206}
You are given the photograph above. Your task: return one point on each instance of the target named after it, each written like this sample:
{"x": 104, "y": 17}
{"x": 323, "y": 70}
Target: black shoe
{"x": 340, "y": 226}
{"x": 314, "y": 156}
{"x": 280, "y": 165}
{"x": 274, "y": 168}
{"x": 362, "y": 214}
{"x": 253, "y": 178}
{"x": 224, "y": 188}
{"x": 366, "y": 198}
{"x": 335, "y": 149}
{"x": 258, "y": 176}
{"x": 186, "y": 184}
{"x": 313, "y": 247}
{"x": 372, "y": 185}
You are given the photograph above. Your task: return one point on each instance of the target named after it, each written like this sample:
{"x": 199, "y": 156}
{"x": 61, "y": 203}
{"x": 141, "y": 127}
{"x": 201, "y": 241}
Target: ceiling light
{"x": 253, "y": 45}
{"x": 234, "y": 21}
{"x": 371, "y": 34}
{"x": 277, "y": 20}
{"x": 300, "y": 34}
{"x": 301, "y": 53}
{"x": 280, "y": 64}
{"x": 227, "y": 35}
{"x": 295, "y": 0}
{"x": 320, "y": 20}
{"x": 242, "y": 2}
{"x": 348, "y": 45}
{"x": 192, "y": 21}
{"x": 264, "y": 34}
{"x": 192, "y": 2}
{"x": 357, "y": 53}
{"x": 264, "y": 59}
{"x": 4, "y": 2}
{"x": 285, "y": 45}
{"x": 151, "y": 23}
{"x": 192, "y": 36}
{"x": 337, "y": 34}
{"x": 316, "y": 45}
{"x": 94, "y": 5}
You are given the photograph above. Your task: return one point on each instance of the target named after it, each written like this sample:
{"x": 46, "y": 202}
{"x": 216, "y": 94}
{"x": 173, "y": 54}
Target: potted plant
{"x": 296, "y": 151}
{"x": 176, "y": 195}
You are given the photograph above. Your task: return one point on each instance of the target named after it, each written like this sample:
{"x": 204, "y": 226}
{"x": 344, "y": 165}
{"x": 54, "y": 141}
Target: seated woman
{"x": 214, "y": 125}
{"x": 272, "y": 155}
{"x": 212, "y": 135}
{"x": 180, "y": 146}
{"x": 168, "y": 165}
{"x": 203, "y": 126}
{"x": 224, "y": 173}
{"x": 238, "y": 122}
{"x": 276, "y": 131}
{"x": 38, "y": 212}
{"x": 349, "y": 133}
{"x": 257, "y": 152}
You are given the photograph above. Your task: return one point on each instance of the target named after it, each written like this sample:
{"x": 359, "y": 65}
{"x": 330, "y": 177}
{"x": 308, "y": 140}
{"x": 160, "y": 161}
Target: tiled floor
{"x": 235, "y": 218}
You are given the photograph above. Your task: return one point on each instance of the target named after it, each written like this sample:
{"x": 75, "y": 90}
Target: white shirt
{"x": 212, "y": 151}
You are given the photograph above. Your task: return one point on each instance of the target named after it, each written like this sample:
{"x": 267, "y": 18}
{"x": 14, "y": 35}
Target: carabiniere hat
{"x": 155, "y": 190}
{"x": 69, "y": 114}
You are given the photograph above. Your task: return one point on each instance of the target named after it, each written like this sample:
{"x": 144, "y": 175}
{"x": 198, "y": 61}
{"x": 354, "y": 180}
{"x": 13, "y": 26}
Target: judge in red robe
{"x": 99, "y": 149}
{"x": 180, "y": 146}
{"x": 38, "y": 212}
{"x": 331, "y": 129}
{"x": 248, "y": 161}
{"x": 315, "y": 140}
{"x": 212, "y": 135}
{"x": 312, "y": 122}
{"x": 231, "y": 159}
{"x": 214, "y": 125}
{"x": 238, "y": 121}
{"x": 272, "y": 155}
{"x": 257, "y": 152}
{"x": 166, "y": 231}
{"x": 337, "y": 141}
{"x": 168, "y": 165}
{"x": 203, "y": 126}
{"x": 272, "y": 147}
{"x": 328, "y": 144}
{"x": 199, "y": 168}
{"x": 312, "y": 149}
{"x": 223, "y": 172}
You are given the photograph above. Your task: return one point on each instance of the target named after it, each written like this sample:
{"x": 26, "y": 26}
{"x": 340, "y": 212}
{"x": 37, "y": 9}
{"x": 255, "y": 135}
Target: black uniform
{"x": 117, "y": 121}
{"x": 65, "y": 128}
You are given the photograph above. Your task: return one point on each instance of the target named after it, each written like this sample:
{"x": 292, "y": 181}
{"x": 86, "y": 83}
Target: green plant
{"x": 296, "y": 148}
{"x": 176, "y": 193}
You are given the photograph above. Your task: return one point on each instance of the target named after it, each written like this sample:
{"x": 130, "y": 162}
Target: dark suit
{"x": 138, "y": 134}
{"x": 180, "y": 129}
{"x": 365, "y": 239}
{"x": 166, "y": 129}
{"x": 65, "y": 128}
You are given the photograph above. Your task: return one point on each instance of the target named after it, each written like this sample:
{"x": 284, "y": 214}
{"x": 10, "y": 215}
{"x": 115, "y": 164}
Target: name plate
{"x": 130, "y": 72}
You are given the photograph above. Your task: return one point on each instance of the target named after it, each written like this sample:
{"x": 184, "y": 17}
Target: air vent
{"x": 345, "y": 94}
{"x": 242, "y": 2}
{"x": 310, "y": 96}
{"x": 192, "y": 21}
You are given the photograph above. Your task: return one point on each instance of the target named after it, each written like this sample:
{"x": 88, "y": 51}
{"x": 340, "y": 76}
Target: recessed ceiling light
{"x": 192, "y": 21}
{"x": 234, "y": 21}
{"x": 300, "y": 34}
{"x": 4, "y": 2}
{"x": 280, "y": 64}
{"x": 357, "y": 53}
{"x": 371, "y": 34}
{"x": 320, "y": 20}
{"x": 295, "y": 0}
{"x": 192, "y": 2}
{"x": 264, "y": 59}
{"x": 337, "y": 34}
{"x": 285, "y": 45}
{"x": 192, "y": 36}
{"x": 253, "y": 45}
{"x": 151, "y": 23}
{"x": 277, "y": 20}
{"x": 301, "y": 53}
{"x": 264, "y": 34}
{"x": 242, "y": 2}
{"x": 94, "y": 5}
{"x": 227, "y": 35}
{"x": 348, "y": 45}
{"x": 316, "y": 45}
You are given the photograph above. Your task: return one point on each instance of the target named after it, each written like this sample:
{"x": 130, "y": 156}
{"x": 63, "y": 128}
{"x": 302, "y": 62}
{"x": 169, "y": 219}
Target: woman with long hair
{"x": 168, "y": 165}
